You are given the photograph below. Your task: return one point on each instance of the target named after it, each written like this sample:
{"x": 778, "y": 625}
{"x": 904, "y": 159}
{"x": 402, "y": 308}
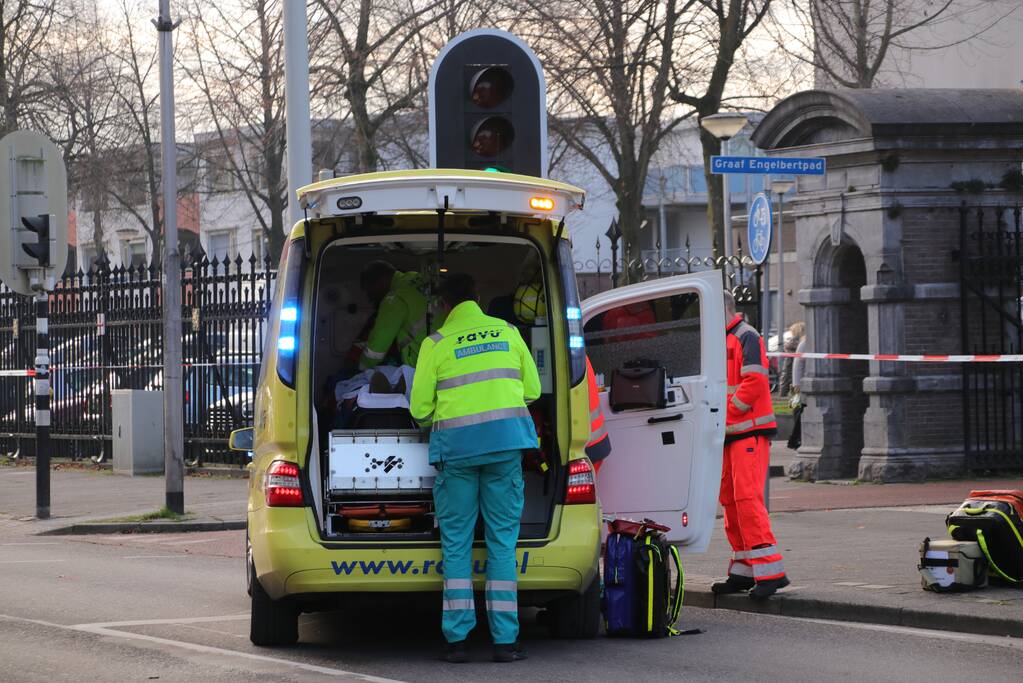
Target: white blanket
{"x": 358, "y": 387}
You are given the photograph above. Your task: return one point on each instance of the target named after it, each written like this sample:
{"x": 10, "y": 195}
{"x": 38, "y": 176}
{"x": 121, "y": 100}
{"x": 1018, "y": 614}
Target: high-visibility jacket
{"x": 402, "y": 318}
{"x": 473, "y": 379}
{"x": 599, "y": 445}
{"x": 750, "y": 410}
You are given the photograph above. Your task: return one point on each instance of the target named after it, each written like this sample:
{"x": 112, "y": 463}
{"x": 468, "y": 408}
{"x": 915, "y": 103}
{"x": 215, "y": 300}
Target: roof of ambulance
{"x": 433, "y": 189}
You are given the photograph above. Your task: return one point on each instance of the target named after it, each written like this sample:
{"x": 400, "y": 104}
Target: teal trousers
{"x": 490, "y": 484}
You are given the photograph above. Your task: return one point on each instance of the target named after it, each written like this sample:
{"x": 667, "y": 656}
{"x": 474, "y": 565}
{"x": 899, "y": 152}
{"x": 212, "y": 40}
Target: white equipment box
{"x": 375, "y": 461}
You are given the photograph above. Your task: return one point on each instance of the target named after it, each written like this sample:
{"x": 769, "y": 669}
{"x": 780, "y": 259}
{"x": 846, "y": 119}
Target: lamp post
{"x": 614, "y": 233}
{"x": 780, "y": 187}
{"x": 724, "y": 127}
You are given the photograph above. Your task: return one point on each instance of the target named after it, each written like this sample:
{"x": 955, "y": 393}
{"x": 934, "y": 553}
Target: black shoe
{"x": 455, "y": 653}
{"x": 765, "y": 589}
{"x": 733, "y": 584}
{"x": 508, "y": 653}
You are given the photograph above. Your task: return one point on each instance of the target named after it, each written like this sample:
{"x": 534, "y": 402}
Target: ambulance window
{"x": 665, "y": 330}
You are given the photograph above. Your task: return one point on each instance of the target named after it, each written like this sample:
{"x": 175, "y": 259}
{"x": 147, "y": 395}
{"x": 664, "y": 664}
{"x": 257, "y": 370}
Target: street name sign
{"x": 792, "y": 165}
{"x": 33, "y": 212}
{"x": 759, "y": 228}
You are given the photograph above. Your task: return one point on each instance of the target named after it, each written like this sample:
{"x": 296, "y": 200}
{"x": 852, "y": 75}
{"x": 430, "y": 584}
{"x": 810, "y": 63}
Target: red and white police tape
{"x": 894, "y": 358}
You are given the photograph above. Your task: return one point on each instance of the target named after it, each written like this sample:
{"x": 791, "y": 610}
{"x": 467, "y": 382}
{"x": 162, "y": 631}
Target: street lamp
{"x": 780, "y": 187}
{"x": 725, "y": 126}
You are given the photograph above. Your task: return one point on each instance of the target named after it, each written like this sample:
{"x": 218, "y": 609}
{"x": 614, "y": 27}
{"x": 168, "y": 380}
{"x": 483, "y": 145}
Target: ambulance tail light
{"x": 582, "y": 487}
{"x": 292, "y": 265}
{"x": 283, "y": 488}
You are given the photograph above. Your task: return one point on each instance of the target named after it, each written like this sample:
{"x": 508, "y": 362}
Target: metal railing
{"x": 106, "y": 333}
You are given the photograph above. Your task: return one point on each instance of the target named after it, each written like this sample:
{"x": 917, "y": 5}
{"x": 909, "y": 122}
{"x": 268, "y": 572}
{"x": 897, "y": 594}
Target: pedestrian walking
{"x": 473, "y": 380}
{"x": 756, "y": 565}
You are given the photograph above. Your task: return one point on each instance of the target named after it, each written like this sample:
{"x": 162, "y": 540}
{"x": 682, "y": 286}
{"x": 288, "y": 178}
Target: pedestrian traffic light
{"x": 40, "y": 249}
{"x": 488, "y": 105}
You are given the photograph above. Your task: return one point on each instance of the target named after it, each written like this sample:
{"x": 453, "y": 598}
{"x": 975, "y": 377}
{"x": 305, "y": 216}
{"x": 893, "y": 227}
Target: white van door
{"x": 665, "y": 461}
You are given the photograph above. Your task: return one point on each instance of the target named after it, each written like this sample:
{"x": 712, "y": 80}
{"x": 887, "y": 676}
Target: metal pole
{"x": 727, "y": 209}
{"x": 662, "y": 223}
{"x": 296, "y": 95}
{"x": 781, "y": 267}
{"x": 765, "y": 298}
{"x": 42, "y": 414}
{"x": 173, "y": 408}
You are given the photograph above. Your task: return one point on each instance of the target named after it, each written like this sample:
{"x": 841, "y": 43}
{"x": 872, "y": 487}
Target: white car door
{"x": 665, "y": 462}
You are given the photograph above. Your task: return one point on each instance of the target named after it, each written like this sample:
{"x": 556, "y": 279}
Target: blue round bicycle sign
{"x": 759, "y": 228}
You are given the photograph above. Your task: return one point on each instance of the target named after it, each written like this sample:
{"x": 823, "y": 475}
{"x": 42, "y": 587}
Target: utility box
{"x": 137, "y": 418}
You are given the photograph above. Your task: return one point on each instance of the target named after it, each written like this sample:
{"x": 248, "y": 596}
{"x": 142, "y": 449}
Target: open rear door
{"x": 665, "y": 461}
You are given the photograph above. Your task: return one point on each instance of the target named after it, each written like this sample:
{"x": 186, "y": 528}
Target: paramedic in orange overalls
{"x": 599, "y": 445}
{"x": 756, "y": 564}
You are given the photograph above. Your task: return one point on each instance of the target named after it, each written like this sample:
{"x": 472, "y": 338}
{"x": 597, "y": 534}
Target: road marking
{"x": 30, "y": 561}
{"x": 107, "y": 630}
{"x": 191, "y": 542}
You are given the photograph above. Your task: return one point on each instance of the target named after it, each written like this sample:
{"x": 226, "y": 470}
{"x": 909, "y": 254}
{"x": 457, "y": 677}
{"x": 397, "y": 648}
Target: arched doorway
{"x": 833, "y": 389}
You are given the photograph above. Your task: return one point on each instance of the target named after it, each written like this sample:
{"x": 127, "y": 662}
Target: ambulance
{"x": 340, "y": 500}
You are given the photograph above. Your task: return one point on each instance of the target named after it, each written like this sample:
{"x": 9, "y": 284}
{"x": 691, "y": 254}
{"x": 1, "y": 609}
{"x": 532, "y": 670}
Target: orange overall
{"x": 750, "y": 424}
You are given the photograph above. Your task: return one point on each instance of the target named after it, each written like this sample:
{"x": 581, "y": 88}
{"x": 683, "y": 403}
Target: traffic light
{"x": 488, "y": 105}
{"x": 40, "y": 250}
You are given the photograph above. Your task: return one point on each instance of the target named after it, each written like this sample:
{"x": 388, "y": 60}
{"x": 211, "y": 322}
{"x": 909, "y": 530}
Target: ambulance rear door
{"x": 665, "y": 461}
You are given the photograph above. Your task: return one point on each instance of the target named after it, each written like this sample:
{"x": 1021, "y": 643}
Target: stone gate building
{"x": 877, "y": 240}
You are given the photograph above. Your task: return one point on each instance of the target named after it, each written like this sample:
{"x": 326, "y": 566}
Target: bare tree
{"x": 24, "y": 82}
{"x": 701, "y": 76}
{"x": 850, "y": 43}
{"x": 608, "y": 64}
{"x": 84, "y": 110}
{"x": 364, "y": 55}
{"x": 236, "y": 62}
{"x": 135, "y": 180}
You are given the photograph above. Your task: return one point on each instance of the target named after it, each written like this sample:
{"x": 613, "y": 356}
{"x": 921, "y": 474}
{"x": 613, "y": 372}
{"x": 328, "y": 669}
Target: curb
{"x": 793, "y": 605}
{"x": 86, "y": 528}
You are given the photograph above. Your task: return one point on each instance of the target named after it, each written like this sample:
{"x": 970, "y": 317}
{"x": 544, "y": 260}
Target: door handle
{"x": 667, "y": 418}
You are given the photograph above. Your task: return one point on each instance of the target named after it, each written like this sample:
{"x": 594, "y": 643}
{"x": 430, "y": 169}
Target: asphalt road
{"x": 173, "y": 608}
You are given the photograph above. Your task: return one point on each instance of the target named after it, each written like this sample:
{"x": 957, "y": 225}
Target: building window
{"x": 257, "y": 245}
{"x": 88, "y": 258}
{"x": 218, "y": 245}
{"x": 134, "y": 254}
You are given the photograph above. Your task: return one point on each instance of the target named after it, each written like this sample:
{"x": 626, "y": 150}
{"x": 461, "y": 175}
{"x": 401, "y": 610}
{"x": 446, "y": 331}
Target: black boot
{"x": 733, "y": 584}
{"x": 508, "y": 653}
{"x": 765, "y": 589}
{"x": 455, "y": 653}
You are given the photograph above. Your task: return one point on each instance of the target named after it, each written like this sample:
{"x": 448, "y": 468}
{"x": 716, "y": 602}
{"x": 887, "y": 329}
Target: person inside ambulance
{"x": 756, "y": 564}
{"x": 401, "y": 317}
{"x": 473, "y": 380}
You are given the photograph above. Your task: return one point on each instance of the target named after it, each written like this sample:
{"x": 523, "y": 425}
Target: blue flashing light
{"x": 575, "y": 342}
{"x": 286, "y": 344}
{"x": 289, "y": 314}
{"x": 573, "y": 313}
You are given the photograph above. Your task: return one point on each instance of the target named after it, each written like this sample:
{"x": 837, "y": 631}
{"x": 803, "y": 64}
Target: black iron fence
{"x": 106, "y": 334}
{"x": 739, "y": 273}
{"x": 991, "y": 282}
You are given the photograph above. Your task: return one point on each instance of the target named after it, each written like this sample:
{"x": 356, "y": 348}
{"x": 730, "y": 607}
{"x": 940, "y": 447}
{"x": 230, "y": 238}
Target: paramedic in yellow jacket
{"x": 473, "y": 380}
{"x": 401, "y": 313}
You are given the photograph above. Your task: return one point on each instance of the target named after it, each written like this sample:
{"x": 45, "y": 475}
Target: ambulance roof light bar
{"x": 392, "y": 192}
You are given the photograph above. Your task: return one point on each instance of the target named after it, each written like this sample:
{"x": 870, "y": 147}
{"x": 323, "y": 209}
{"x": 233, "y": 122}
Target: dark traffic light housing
{"x": 40, "y": 250}
{"x": 488, "y": 105}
